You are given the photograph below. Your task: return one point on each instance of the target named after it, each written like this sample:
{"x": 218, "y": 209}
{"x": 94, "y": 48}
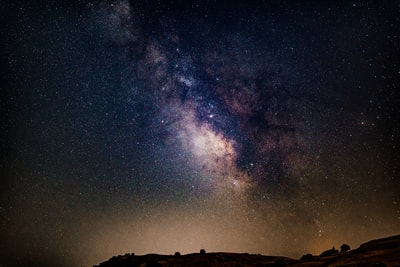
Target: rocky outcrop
{"x": 381, "y": 252}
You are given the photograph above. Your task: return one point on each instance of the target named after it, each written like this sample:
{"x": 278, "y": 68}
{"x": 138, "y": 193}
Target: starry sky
{"x": 265, "y": 127}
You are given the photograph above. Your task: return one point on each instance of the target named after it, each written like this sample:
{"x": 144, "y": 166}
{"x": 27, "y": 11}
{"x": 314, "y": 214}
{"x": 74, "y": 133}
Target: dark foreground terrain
{"x": 377, "y": 253}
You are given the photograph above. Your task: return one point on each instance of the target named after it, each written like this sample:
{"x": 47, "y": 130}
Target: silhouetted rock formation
{"x": 329, "y": 252}
{"x": 307, "y": 257}
{"x": 377, "y": 253}
{"x": 344, "y": 248}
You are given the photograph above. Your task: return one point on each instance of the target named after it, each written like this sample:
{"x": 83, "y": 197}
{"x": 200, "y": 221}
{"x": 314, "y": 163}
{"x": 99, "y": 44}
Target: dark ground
{"x": 380, "y": 252}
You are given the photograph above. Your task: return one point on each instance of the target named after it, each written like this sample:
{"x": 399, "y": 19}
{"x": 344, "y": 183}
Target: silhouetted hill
{"x": 380, "y": 252}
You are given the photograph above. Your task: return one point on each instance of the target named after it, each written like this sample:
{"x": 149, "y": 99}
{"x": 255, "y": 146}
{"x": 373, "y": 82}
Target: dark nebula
{"x": 163, "y": 126}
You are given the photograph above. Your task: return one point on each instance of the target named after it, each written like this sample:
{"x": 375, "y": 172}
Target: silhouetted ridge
{"x": 379, "y": 252}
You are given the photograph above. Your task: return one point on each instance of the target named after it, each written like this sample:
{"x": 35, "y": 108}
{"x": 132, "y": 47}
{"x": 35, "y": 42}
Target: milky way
{"x": 158, "y": 127}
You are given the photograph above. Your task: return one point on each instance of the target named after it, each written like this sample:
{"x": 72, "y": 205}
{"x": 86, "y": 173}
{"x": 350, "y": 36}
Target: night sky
{"x": 163, "y": 126}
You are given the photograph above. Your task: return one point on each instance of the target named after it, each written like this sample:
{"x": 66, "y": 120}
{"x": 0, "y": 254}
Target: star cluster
{"x": 163, "y": 126}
